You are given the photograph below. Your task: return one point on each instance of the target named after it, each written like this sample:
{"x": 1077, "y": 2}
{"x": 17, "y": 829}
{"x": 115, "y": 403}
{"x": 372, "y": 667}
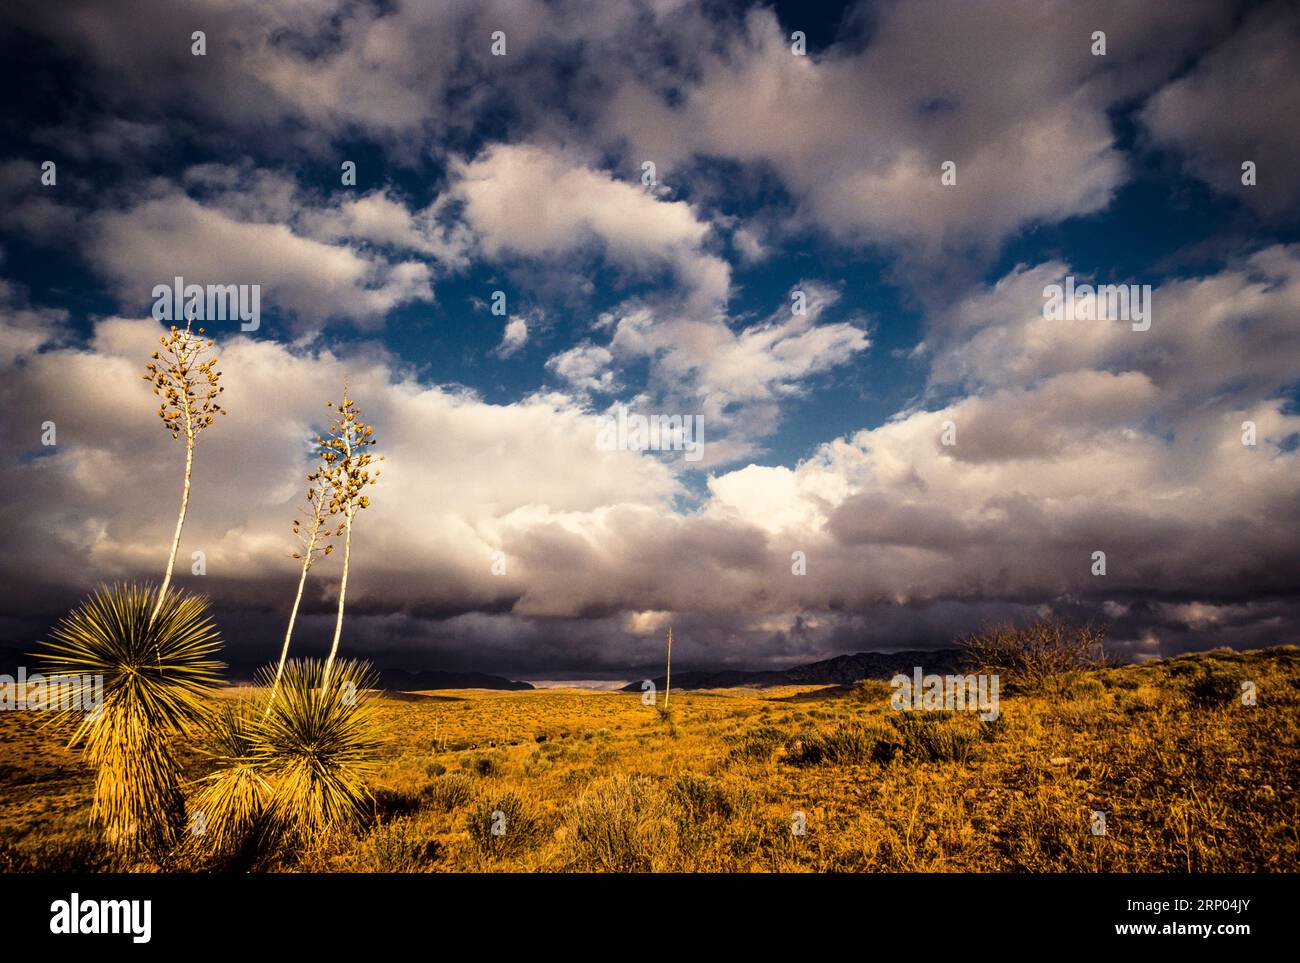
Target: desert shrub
{"x": 932, "y": 737}
{"x": 1042, "y": 657}
{"x": 870, "y": 691}
{"x": 157, "y": 668}
{"x": 991, "y": 730}
{"x": 390, "y": 803}
{"x": 557, "y": 752}
{"x": 618, "y": 825}
{"x": 700, "y": 798}
{"x": 449, "y": 792}
{"x": 398, "y": 847}
{"x": 1048, "y": 832}
{"x": 1085, "y": 687}
{"x": 317, "y": 744}
{"x": 501, "y": 824}
{"x": 702, "y": 806}
{"x": 759, "y": 743}
{"x": 485, "y": 766}
{"x": 78, "y": 853}
{"x": 846, "y": 745}
{"x": 1120, "y": 679}
{"x": 536, "y": 764}
{"x": 1214, "y": 686}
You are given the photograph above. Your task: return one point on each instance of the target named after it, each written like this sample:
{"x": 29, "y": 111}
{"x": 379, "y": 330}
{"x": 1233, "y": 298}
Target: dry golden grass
{"x": 1189, "y": 779}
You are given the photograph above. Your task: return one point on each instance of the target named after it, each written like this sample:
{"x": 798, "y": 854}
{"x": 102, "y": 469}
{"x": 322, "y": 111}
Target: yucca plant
{"x": 185, "y": 378}
{"x": 344, "y": 450}
{"x": 315, "y": 546}
{"x": 232, "y": 799}
{"x": 153, "y": 651}
{"x": 316, "y": 745}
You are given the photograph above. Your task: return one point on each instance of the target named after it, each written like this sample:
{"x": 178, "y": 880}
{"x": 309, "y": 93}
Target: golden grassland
{"x": 1189, "y": 780}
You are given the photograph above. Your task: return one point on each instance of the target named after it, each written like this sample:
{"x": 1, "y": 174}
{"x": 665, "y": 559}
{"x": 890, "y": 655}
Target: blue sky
{"x": 777, "y": 170}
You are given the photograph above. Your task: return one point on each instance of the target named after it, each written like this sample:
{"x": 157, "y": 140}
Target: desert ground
{"x": 1187, "y": 776}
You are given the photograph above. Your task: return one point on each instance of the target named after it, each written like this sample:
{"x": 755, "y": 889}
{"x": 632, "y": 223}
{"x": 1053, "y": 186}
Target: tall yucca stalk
{"x": 668, "y": 676}
{"x": 315, "y": 545}
{"x": 153, "y": 652}
{"x": 348, "y": 474}
{"x": 186, "y": 380}
{"x": 316, "y": 745}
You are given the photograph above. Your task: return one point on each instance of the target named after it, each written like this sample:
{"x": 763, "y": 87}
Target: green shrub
{"x": 1214, "y": 686}
{"x": 700, "y": 798}
{"x": 933, "y": 737}
{"x": 760, "y": 743}
{"x": 846, "y": 745}
{"x": 485, "y": 766}
{"x": 619, "y": 825}
{"x": 399, "y": 847}
{"x": 449, "y": 792}
{"x": 500, "y": 824}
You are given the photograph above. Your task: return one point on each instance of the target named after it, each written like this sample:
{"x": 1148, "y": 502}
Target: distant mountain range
{"x": 397, "y": 680}
{"x": 841, "y": 670}
{"x": 400, "y": 680}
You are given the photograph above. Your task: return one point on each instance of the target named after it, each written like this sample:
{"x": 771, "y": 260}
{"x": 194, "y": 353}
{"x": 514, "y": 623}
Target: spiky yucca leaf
{"x": 233, "y": 798}
{"x": 156, "y": 672}
{"x": 317, "y": 741}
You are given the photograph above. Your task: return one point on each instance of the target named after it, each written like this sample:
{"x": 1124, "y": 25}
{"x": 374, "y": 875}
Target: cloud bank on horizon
{"x": 825, "y": 240}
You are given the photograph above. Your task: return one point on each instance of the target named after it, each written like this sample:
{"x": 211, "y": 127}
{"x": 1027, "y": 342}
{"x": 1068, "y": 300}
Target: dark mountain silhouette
{"x": 398, "y": 680}
{"x": 841, "y": 670}
{"x": 401, "y": 680}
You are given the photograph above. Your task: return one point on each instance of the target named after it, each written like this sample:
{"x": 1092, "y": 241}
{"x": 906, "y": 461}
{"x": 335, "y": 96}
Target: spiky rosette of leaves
{"x": 318, "y": 743}
{"x": 156, "y": 671}
{"x": 230, "y": 803}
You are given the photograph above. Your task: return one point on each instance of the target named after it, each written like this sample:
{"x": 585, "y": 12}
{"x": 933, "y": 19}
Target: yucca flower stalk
{"x": 315, "y": 545}
{"x": 347, "y": 472}
{"x": 153, "y": 652}
{"x": 186, "y": 380}
{"x": 668, "y": 676}
{"x": 316, "y": 746}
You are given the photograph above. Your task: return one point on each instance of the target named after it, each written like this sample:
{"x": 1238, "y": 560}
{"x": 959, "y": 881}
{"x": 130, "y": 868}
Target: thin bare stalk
{"x": 311, "y": 550}
{"x": 348, "y": 473}
{"x": 343, "y": 591}
{"x": 293, "y": 615}
{"x": 180, "y": 519}
{"x": 668, "y": 678}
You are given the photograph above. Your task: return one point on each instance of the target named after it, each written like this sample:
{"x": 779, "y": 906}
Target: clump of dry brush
{"x": 1044, "y": 656}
